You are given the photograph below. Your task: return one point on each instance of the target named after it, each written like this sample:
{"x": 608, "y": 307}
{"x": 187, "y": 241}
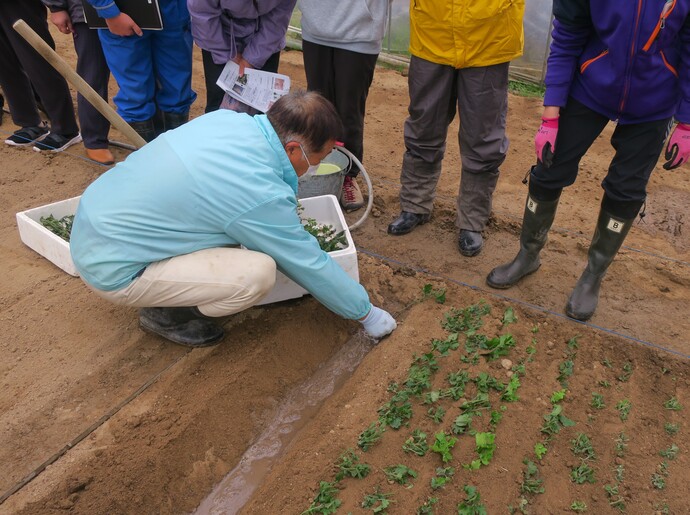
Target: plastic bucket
{"x": 329, "y": 183}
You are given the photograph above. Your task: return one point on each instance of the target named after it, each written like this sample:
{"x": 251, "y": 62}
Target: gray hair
{"x": 306, "y": 117}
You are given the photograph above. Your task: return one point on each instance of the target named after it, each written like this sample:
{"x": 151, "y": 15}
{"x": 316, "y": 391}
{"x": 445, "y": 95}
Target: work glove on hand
{"x": 378, "y": 323}
{"x": 678, "y": 147}
{"x": 545, "y": 140}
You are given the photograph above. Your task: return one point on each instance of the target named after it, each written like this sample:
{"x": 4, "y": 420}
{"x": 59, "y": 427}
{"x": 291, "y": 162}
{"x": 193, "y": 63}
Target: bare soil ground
{"x": 99, "y": 417}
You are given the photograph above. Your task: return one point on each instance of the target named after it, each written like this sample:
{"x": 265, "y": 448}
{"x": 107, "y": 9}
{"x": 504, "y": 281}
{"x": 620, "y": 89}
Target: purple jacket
{"x": 626, "y": 59}
{"x": 228, "y": 27}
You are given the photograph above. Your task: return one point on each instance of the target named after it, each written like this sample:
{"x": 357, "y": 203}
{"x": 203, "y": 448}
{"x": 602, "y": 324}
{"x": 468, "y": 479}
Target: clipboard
{"x": 145, "y": 13}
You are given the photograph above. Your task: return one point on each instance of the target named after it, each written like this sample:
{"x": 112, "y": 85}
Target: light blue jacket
{"x": 222, "y": 179}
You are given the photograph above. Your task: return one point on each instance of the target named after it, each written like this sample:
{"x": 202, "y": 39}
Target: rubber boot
{"x": 174, "y": 120}
{"x": 608, "y": 238}
{"x": 145, "y": 129}
{"x": 536, "y": 223}
{"x": 186, "y": 326}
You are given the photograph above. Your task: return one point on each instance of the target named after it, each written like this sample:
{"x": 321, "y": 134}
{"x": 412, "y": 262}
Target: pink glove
{"x": 678, "y": 147}
{"x": 545, "y": 140}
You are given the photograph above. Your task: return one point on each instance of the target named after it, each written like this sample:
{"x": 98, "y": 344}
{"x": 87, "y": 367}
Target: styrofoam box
{"x": 43, "y": 241}
{"x": 324, "y": 209}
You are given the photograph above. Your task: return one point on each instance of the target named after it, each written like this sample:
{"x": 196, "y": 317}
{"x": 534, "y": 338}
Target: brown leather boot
{"x": 100, "y": 155}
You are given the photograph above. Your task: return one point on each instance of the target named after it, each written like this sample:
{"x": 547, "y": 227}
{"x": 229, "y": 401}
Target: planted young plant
{"x": 466, "y": 320}
{"x": 349, "y": 466}
{"x": 624, "y": 406}
{"x": 325, "y": 502}
{"x": 621, "y": 444}
{"x": 555, "y": 420}
{"x": 597, "y": 401}
{"x": 442, "y": 477}
{"x": 496, "y": 347}
{"x": 395, "y": 415}
{"x": 436, "y": 414}
{"x": 582, "y": 446}
{"x": 540, "y": 450}
{"x": 428, "y": 507}
{"x": 615, "y": 499}
{"x": 443, "y": 444}
{"x": 485, "y": 447}
{"x": 443, "y": 347}
{"x": 400, "y": 474}
{"x": 378, "y": 502}
{"x": 419, "y": 376}
{"x": 462, "y": 423}
{"x": 583, "y": 473}
{"x": 416, "y": 444}
{"x": 508, "y": 317}
{"x": 510, "y": 393}
{"x": 472, "y": 505}
{"x": 671, "y": 429}
{"x": 531, "y": 483}
{"x": 565, "y": 370}
{"x": 438, "y": 294}
{"x": 673, "y": 404}
{"x": 370, "y": 436}
{"x": 486, "y": 382}
{"x": 578, "y": 506}
{"x": 627, "y": 372}
{"x": 669, "y": 453}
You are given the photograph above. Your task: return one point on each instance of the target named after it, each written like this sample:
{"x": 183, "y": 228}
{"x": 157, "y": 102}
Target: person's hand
{"x": 123, "y": 25}
{"x": 678, "y": 147}
{"x": 62, "y": 21}
{"x": 378, "y": 323}
{"x": 243, "y": 63}
{"x": 545, "y": 140}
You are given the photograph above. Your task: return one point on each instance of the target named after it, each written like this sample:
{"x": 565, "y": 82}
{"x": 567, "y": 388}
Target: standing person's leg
{"x": 433, "y": 97}
{"x": 483, "y": 106}
{"x": 49, "y": 84}
{"x": 91, "y": 67}
{"x": 579, "y": 126}
{"x": 131, "y": 63}
{"x": 180, "y": 295}
{"x": 17, "y": 89}
{"x": 172, "y": 62}
{"x": 637, "y": 150}
{"x": 214, "y": 95}
{"x": 319, "y": 68}
{"x": 354, "y": 73}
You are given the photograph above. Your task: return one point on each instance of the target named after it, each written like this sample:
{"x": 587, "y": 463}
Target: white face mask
{"x": 312, "y": 168}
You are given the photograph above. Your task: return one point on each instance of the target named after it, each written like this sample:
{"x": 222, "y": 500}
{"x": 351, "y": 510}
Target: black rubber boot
{"x": 174, "y": 120}
{"x": 145, "y": 129}
{"x": 608, "y": 238}
{"x": 186, "y": 326}
{"x": 536, "y": 223}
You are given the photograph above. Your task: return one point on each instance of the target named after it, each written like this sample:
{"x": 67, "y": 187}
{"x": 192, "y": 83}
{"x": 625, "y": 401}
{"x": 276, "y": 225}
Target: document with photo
{"x": 256, "y": 88}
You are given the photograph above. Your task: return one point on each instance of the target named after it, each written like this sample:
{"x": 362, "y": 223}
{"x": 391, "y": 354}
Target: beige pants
{"x": 219, "y": 281}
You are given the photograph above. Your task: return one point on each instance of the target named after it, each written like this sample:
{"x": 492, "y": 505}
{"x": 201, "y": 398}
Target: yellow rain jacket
{"x": 466, "y": 33}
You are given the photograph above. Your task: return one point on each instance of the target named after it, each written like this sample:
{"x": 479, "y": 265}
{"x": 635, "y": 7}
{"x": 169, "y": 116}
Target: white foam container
{"x": 324, "y": 209}
{"x": 43, "y": 241}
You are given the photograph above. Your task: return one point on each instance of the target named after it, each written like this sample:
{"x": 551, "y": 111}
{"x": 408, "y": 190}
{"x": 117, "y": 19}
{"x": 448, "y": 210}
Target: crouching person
{"x": 162, "y": 230}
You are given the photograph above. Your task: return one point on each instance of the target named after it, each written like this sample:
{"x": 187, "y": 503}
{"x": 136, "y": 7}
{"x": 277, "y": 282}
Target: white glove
{"x": 378, "y": 323}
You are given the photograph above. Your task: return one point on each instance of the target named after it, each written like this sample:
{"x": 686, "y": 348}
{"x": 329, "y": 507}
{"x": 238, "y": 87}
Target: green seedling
{"x": 531, "y": 483}
{"x": 535, "y": 329}
{"x": 508, "y": 317}
{"x": 395, "y": 415}
{"x": 558, "y": 396}
{"x": 462, "y": 423}
{"x": 565, "y": 370}
{"x": 615, "y": 500}
{"x": 329, "y": 239}
{"x": 620, "y": 473}
{"x": 671, "y": 429}
{"x": 416, "y": 444}
{"x": 486, "y": 382}
{"x": 669, "y": 453}
{"x": 419, "y": 376}
{"x": 349, "y": 466}
{"x": 572, "y": 344}
{"x": 370, "y": 436}
{"x": 662, "y": 508}
{"x": 325, "y": 502}
{"x": 607, "y": 363}
{"x": 480, "y": 401}
{"x": 510, "y": 393}
{"x": 604, "y": 384}
{"x": 427, "y": 507}
{"x": 472, "y": 505}
{"x": 627, "y": 372}
{"x": 555, "y": 420}
{"x": 378, "y": 502}
{"x": 61, "y": 227}
{"x": 443, "y": 476}
{"x": 582, "y": 446}
{"x": 471, "y": 359}
{"x": 673, "y": 404}
{"x": 457, "y": 381}
{"x": 578, "y": 506}
{"x": 624, "y": 406}
{"x": 400, "y": 474}
{"x": 658, "y": 481}
{"x": 494, "y": 418}
{"x": 466, "y": 320}
{"x": 583, "y": 473}
{"x": 597, "y": 401}
{"x": 436, "y": 414}
{"x": 540, "y": 450}
{"x": 438, "y": 294}
{"x": 443, "y": 444}
{"x": 485, "y": 447}
{"x": 444, "y": 347}
{"x": 621, "y": 444}
{"x": 496, "y": 347}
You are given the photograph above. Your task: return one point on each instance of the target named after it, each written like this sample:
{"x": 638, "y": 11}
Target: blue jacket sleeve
{"x": 105, "y": 8}
{"x": 275, "y": 229}
{"x": 572, "y": 28}
{"x": 683, "y": 112}
{"x": 271, "y": 34}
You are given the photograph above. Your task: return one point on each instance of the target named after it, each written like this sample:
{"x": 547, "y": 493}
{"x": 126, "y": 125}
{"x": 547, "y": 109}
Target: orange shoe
{"x": 100, "y": 155}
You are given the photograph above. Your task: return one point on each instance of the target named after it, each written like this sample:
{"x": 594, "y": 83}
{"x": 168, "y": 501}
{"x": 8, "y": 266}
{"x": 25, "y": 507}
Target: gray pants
{"x": 481, "y": 95}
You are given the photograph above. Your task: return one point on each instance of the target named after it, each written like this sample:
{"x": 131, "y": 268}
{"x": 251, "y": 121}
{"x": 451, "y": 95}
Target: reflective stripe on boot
{"x": 536, "y": 223}
{"x": 608, "y": 238}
